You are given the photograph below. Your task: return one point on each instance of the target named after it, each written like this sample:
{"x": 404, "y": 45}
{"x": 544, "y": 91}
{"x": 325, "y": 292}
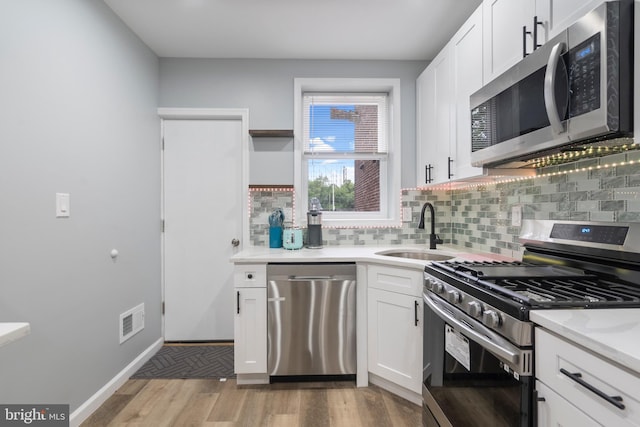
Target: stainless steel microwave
{"x": 575, "y": 89}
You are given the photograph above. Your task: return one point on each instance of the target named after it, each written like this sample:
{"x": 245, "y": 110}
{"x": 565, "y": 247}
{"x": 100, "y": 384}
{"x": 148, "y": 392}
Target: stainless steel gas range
{"x": 478, "y": 339}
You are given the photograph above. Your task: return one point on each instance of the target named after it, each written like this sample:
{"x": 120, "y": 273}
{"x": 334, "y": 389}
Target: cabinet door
{"x": 502, "y": 28}
{"x": 395, "y": 338}
{"x": 423, "y": 101}
{"x": 587, "y": 381}
{"x": 434, "y": 120}
{"x": 250, "y": 346}
{"x": 466, "y": 56}
{"x": 554, "y": 411}
{"x": 558, "y": 15}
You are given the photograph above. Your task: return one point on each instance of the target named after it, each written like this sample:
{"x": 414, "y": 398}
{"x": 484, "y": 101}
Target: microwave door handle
{"x": 549, "y": 86}
{"x": 502, "y": 348}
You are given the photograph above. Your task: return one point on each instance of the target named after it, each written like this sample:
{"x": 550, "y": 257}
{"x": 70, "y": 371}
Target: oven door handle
{"x": 488, "y": 339}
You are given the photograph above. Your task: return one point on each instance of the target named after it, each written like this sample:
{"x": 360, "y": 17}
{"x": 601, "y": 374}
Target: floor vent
{"x": 131, "y": 322}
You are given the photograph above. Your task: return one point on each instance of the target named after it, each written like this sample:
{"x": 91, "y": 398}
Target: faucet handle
{"x": 434, "y": 239}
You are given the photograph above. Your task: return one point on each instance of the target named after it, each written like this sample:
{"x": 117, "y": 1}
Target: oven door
{"x": 472, "y": 376}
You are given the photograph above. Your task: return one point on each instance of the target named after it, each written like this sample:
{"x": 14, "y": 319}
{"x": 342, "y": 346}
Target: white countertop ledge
{"x": 611, "y": 333}
{"x": 12, "y": 331}
{"x": 361, "y": 253}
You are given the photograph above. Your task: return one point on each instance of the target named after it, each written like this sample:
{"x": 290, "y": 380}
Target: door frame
{"x": 241, "y": 114}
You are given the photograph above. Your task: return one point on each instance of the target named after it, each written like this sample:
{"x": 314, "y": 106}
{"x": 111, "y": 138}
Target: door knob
{"x": 235, "y": 242}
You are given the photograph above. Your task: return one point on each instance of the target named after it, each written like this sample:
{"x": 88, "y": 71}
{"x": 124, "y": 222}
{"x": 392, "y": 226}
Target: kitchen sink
{"x": 416, "y": 254}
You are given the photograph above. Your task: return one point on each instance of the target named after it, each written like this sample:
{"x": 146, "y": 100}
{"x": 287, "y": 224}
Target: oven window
{"x": 483, "y": 395}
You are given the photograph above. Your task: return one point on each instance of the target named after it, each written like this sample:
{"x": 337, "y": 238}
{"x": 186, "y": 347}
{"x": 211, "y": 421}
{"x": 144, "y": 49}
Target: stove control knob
{"x": 437, "y": 287}
{"x": 474, "y": 309}
{"x": 491, "y": 319}
{"x": 453, "y": 296}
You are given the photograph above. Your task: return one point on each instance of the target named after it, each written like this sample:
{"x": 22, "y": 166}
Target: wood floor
{"x": 213, "y": 403}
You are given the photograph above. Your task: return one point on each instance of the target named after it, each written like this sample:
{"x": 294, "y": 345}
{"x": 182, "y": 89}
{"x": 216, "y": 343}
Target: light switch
{"x": 62, "y": 205}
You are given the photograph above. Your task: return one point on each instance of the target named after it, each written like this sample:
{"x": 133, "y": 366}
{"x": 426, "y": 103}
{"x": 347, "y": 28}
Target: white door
{"x": 203, "y": 214}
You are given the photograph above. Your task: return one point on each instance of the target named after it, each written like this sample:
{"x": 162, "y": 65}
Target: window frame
{"x": 389, "y": 214}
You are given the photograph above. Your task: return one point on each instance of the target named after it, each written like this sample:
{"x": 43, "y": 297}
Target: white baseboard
{"x": 396, "y": 389}
{"x": 87, "y": 408}
{"x": 246, "y": 379}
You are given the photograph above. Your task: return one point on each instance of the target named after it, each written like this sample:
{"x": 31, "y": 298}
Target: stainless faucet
{"x": 433, "y": 238}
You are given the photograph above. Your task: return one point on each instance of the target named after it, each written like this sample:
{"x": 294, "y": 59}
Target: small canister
{"x": 291, "y": 237}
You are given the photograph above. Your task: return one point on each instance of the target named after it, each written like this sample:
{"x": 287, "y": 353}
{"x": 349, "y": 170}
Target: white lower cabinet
{"x": 555, "y": 411}
{"x": 581, "y": 388}
{"x": 250, "y": 349}
{"x": 395, "y": 326}
{"x": 250, "y": 321}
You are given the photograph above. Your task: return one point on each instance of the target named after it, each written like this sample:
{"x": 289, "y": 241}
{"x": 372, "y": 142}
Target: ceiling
{"x": 295, "y": 29}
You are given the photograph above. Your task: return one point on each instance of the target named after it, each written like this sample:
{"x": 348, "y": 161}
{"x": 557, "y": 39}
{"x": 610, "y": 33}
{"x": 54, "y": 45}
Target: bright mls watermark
{"x": 34, "y": 415}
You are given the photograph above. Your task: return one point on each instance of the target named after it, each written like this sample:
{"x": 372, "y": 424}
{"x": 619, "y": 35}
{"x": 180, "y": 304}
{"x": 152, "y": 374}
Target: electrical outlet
{"x": 516, "y": 215}
{"x": 406, "y": 215}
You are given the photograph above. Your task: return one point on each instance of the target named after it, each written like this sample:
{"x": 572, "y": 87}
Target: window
{"x": 347, "y": 150}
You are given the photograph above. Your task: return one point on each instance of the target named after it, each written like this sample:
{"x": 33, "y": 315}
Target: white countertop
{"x": 259, "y": 254}
{"x": 611, "y": 333}
{"x": 11, "y": 331}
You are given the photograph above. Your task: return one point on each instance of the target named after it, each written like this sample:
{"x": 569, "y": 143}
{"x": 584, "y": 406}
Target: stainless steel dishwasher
{"x": 311, "y": 319}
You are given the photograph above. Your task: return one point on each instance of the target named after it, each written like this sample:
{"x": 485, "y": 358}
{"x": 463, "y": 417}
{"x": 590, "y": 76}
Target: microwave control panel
{"x": 583, "y": 64}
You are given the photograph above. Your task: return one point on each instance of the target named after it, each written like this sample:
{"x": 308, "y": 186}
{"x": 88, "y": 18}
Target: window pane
{"x": 345, "y": 185}
{"x": 330, "y": 130}
{"x": 353, "y": 125}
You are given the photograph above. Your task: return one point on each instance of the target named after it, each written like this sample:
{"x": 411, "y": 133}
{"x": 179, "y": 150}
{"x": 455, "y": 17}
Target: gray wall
{"x": 78, "y": 113}
{"x": 266, "y": 88}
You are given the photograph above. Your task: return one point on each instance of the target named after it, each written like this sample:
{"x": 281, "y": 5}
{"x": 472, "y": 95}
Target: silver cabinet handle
{"x": 235, "y": 242}
{"x": 549, "y": 88}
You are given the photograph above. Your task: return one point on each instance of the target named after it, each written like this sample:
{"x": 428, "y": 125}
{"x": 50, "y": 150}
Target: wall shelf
{"x": 271, "y": 133}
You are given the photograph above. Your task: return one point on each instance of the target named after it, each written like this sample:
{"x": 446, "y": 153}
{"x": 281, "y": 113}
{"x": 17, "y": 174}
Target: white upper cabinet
{"x": 503, "y": 22}
{"x": 494, "y": 38}
{"x": 466, "y": 62}
{"x": 434, "y": 103}
{"x": 443, "y": 112}
{"x": 558, "y": 15}
{"x": 510, "y": 28}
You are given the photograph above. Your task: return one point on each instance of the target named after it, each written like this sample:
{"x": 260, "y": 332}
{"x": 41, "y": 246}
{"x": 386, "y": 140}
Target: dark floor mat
{"x": 189, "y": 361}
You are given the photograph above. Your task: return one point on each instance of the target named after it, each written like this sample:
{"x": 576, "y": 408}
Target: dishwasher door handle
{"x": 298, "y": 278}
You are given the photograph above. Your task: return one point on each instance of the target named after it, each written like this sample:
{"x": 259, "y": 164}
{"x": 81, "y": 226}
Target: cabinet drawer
{"x": 400, "y": 280}
{"x": 554, "y": 356}
{"x": 555, "y": 411}
{"x": 250, "y": 276}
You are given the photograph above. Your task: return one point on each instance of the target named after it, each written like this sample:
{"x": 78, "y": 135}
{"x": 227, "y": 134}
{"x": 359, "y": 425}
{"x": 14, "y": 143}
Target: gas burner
{"x": 540, "y": 286}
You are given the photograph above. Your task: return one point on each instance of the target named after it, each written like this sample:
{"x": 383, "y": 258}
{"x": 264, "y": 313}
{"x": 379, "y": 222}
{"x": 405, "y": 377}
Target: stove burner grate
{"x": 540, "y": 286}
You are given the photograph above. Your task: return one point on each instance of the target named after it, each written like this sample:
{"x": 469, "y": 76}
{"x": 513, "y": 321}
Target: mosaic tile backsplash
{"x": 478, "y": 217}
{"x": 263, "y": 201}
